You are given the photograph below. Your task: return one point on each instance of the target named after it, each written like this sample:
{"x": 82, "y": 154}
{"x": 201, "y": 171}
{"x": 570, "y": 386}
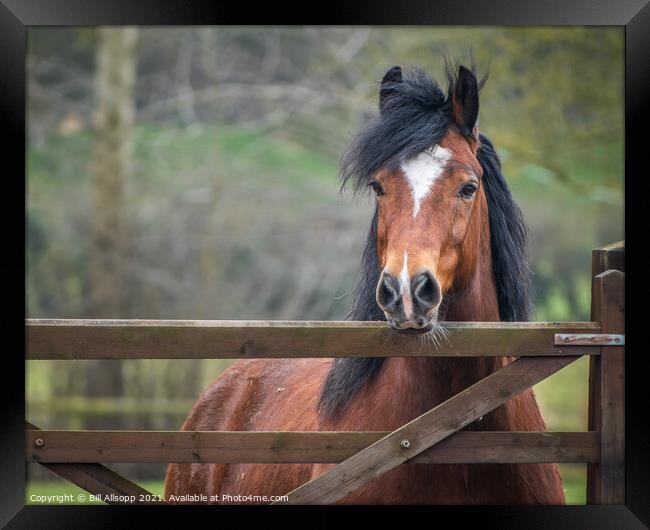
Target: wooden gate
{"x": 541, "y": 350}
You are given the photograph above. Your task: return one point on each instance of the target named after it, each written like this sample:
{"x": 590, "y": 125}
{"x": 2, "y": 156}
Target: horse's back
{"x": 251, "y": 395}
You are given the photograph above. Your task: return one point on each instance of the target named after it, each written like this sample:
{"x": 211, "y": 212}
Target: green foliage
{"x": 574, "y": 477}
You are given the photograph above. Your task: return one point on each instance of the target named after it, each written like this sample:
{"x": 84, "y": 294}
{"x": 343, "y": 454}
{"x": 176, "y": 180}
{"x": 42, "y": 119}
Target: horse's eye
{"x": 376, "y": 187}
{"x": 468, "y": 190}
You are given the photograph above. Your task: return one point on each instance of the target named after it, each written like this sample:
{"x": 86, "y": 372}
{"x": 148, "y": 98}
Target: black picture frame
{"x": 16, "y": 16}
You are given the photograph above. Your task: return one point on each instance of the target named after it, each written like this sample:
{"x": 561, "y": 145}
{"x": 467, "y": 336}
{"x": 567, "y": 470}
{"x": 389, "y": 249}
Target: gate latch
{"x": 588, "y": 339}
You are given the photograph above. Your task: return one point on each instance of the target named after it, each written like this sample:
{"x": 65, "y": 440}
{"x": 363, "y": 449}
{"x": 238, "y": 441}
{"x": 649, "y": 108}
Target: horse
{"x": 447, "y": 242}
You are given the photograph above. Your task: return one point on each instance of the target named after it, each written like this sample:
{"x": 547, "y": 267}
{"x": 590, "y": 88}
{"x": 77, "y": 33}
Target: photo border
{"x": 16, "y": 16}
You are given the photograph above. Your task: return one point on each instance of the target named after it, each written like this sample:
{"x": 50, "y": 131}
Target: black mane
{"x": 416, "y": 116}
{"x": 508, "y": 238}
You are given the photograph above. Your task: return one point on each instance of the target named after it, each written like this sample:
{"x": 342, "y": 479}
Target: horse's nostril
{"x": 426, "y": 290}
{"x": 387, "y": 293}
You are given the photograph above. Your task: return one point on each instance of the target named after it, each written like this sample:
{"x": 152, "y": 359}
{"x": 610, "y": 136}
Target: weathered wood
{"x": 487, "y": 447}
{"x": 197, "y": 446}
{"x": 300, "y": 447}
{"x": 600, "y": 262}
{"x": 181, "y": 339}
{"x": 606, "y": 480}
{"x": 598, "y": 265}
{"x": 427, "y": 430}
{"x": 99, "y": 480}
{"x": 609, "y": 257}
{"x": 606, "y": 258}
{"x": 612, "y": 391}
{"x": 590, "y": 339}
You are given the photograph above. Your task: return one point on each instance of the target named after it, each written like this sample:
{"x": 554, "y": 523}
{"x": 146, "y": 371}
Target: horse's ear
{"x": 394, "y": 75}
{"x": 464, "y": 101}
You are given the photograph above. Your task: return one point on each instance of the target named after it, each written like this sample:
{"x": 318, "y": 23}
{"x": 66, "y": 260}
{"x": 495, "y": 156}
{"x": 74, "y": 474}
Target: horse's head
{"x": 431, "y": 206}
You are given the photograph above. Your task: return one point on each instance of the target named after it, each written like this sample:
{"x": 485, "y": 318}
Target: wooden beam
{"x": 487, "y": 447}
{"x": 426, "y": 430}
{"x": 181, "y": 339}
{"x": 598, "y": 265}
{"x": 99, "y": 480}
{"x": 606, "y": 480}
{"x": 300, "y": 447}
{"x": 610, "y": 257}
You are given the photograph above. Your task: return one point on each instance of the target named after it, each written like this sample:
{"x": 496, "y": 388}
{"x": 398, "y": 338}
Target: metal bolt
{"x": 405, "y": 444}
{"x": 38, "y": 442}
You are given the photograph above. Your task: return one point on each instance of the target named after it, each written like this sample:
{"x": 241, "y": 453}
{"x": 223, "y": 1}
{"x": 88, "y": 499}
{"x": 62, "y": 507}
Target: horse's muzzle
{"x": 410, "y": 305}
{"x": 413, "y": 331}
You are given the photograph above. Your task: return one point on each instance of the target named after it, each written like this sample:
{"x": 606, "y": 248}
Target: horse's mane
{"x": 417, "y": 115}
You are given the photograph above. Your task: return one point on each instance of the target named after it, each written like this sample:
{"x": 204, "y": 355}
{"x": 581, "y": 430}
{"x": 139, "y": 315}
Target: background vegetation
{"x": 191, "y": 173}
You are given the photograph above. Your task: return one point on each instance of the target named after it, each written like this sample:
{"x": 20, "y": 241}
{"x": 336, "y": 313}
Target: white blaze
{"x": 423, "y": 170}
{"x": 405, "y": 287}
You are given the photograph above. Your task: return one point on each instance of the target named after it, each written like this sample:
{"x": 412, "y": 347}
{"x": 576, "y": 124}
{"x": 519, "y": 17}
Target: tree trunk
{"x": 113, "y": 123}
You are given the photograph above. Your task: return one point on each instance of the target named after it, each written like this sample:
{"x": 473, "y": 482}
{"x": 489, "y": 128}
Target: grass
{"x": 575, "y": 482}
{"x": 564, "y": 397}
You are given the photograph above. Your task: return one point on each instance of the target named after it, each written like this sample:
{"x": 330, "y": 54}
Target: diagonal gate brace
{"x": 427, "y": 430}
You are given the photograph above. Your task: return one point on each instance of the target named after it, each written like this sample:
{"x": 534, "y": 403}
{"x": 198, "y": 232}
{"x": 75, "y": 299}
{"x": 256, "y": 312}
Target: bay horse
{"x": 446, "y": 242}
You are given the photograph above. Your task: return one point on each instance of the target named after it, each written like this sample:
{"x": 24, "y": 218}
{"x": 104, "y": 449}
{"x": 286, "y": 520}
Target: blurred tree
{"x": 112, "y": 152}
{"x": 562, "y": 108}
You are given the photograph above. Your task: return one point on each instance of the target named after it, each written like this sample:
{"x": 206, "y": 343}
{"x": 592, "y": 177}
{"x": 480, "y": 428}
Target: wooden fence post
{"x": 606, "y": 480}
